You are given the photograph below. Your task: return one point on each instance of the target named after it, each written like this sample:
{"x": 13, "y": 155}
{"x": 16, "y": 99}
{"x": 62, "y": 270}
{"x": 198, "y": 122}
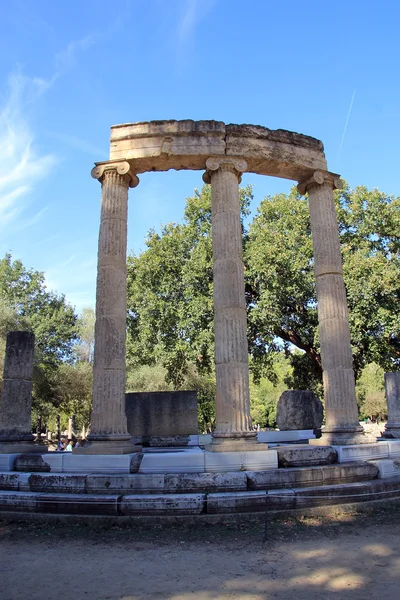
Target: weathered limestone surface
{"x": 392, "y": 388}
{"x": 16, "y": 397}
{"x": 163, "y": 145}
{"x": 233, "y": 422}
{"x": 162, "y": 418}
{"x": 303, "y": 456}
{"x": 342, "y": 426}
{"x": 299, "y": 409}
{"x": 109, "y": 433}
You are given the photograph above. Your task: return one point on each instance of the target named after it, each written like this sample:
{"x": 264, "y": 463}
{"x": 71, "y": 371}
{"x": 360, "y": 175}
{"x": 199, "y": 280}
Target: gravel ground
{"x": 348, "y": 557}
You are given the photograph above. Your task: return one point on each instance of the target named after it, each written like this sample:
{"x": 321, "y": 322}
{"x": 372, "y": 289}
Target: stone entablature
{"x": 163, "y": 145}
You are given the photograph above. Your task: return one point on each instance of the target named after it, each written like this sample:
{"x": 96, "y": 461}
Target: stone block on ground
{"x": 305, "y": 455}
{"x": 162, "y": 418}
{"x": 299, "y": 409}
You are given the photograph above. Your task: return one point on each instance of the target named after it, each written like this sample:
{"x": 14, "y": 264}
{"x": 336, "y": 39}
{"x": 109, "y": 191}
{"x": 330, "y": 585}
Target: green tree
{"x": 371, "y": 392}
{"x": 85, "y": 344}
{"x": 169, "y": 290}
{"x": 281, "y": 283}
{"x": 170, "y": 308}
{"x": 48, "y": 315}
{"x": 25, "y": 303}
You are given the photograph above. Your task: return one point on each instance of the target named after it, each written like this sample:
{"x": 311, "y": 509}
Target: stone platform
{"x": 191, "y": 481}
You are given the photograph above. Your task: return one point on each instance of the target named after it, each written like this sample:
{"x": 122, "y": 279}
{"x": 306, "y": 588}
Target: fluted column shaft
{"x": 392, "y": 388}
{"x": 337, "y": 362}
{"x": 233, "y": 421}
{"x": 109, "y": 423}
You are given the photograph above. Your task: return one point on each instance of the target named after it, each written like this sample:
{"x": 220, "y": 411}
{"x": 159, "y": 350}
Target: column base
{"x": 108, "y": 447}
{"x": 240, "y": 443}
{"x": 343, "y": 438}
{"x": 391, "y": 432}
{"x": 22, "y": 447}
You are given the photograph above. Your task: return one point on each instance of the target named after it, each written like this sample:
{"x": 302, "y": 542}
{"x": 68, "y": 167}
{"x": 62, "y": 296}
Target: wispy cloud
{"x": 21, "y": 164}
{"x": 66, "y": 58}
{"x": 345, "y": 125}
{"x": 192, "y": 13}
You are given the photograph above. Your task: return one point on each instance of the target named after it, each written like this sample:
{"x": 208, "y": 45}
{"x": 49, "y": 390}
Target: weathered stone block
{"x": 299, "y": 409}
{"x": 205, "y": 482}
{"x": 77, "y": 504}
{"x": 31, "y": 462}
{"x": 362, "y": 452}
{"x": 190, "y": 460}
{"x": 236, "y": 502}
{"x": 125, "y": 484}
{"x": 172, "y": 504}
{"x": 18, "y": 501}
{"x": 162, "y": 414}
{"x": 387, "y": 467}
{"x": 64, "y": 483}
{"x": 240, "y": 461}
{"x": 304, "y": 456}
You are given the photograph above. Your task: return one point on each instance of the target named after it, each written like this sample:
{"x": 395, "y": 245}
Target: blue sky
{"x": 70, "y": 70}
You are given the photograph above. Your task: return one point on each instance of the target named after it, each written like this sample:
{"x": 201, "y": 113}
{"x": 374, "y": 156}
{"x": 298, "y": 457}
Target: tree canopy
{"x": 170, "y": 310}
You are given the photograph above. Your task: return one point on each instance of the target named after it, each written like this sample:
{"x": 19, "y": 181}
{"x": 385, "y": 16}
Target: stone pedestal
{"x": 233, "y": 423}
{"x": 342, "y": 424}
{"x": 392, "y": 388}
{"x": 16, "y": 398}
{"x": 109, "y": 433}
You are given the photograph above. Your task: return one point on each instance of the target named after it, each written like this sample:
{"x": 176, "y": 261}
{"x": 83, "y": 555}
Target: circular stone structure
{"x": 224, "y": 153}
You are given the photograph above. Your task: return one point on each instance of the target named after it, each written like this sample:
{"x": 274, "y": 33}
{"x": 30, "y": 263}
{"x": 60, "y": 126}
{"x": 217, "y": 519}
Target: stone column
{"x": 392, "y": 388}
{"x": 233, "y": 422}
{"x": 342, "y": 423}
{"x": 109, "y": 433}
{"x": 16, "y": 397}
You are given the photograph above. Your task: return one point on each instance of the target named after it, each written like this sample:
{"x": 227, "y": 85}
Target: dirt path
{"x": 308, "y": 560}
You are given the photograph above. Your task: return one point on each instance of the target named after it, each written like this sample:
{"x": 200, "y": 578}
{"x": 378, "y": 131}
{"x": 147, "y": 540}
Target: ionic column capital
{"x": 319, "y": 178}
{"x": 226, "y": 163}
{"x": 121, "y": 167}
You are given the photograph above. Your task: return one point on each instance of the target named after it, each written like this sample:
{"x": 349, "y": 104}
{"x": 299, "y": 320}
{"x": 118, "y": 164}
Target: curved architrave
{"x": 164, "y": 145}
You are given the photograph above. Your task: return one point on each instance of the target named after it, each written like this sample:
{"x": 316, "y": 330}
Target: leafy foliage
{"x": 170, "y": 308}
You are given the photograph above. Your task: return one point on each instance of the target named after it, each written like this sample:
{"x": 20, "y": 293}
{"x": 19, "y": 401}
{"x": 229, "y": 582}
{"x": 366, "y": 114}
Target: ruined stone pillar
{"x": 342, "y": 424}
{"x": 233, "y": 422}
{"x": 16, "y": 396}
{"x": 109, "y": 433}
{"x": 392, "y": 389}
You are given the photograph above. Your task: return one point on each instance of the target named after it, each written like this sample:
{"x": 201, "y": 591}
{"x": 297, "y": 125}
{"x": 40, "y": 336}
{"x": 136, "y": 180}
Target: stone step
{"x": 178, "y": 505}
{"x": 187, "y": 483}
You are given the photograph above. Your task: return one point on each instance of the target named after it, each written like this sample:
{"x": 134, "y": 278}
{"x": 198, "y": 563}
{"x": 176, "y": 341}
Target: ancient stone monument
{"x": 162, "y": 418}
{"x": 392, "y": 389}
{"x": 299, "y": 409}
{"x": 224, "y": 152}
{"x": 16, "y": 397}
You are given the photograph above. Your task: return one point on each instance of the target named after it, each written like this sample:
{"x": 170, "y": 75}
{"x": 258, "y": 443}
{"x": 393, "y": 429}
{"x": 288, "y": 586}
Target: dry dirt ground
{"x": 349, "y": 557}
